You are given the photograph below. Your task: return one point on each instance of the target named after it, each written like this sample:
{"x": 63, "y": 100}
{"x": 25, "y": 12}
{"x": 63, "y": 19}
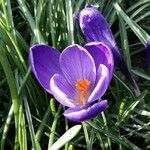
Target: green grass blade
{"x": 137, "y": 4}
{"x": 6, "y": 127}
{"x": 42, "y": 125}
{"x": 132, "y": 106}
{"x": 140, "y": 33}
{"x": 124, "y": 84}
{"x": 11, "y": 82}
{"x": 70, "y": 22}
{"x": 139, "y": 10}
{"x": 30, "y": 20}
{"x": 116, "y": 139}
{"x": 86, "y": 136}
{"x": 66, "y": 137}
{"x": 140, "y": 74}
{"x": 22, "y": 130}
{"x": 35, "y": 144}
{"x": 124, "y": 42}
{"x": 53, "y": 128}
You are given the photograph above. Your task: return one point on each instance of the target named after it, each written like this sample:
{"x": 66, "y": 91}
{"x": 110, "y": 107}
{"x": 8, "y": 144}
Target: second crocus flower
{"x": 95, "y": 28}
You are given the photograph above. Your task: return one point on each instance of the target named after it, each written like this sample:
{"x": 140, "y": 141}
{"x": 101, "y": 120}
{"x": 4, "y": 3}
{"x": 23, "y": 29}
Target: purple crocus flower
{"x": 77, "y": 77}
{"x": 95, "y": 28}
{"x": 148, "y": 52}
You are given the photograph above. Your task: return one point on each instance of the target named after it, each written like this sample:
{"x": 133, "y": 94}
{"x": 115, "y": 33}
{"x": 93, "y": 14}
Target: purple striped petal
{"x": 95, "y": 27}
{"x": 77, "y": 64}
{"x": 78, "y": 114}
{"x": 44, "y": 61}
{"x": 62, "y": 91}
{"x": 102, "y": 83}
{"x": 101, "y": 55}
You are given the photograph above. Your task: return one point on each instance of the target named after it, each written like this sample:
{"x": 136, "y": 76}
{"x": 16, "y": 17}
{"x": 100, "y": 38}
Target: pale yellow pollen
{"x": 82, "y": 87}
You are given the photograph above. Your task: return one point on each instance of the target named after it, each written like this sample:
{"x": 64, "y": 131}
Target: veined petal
{"x": 101, "y": 55}
{"x": 62, "y": 90}
{"x": 77, "y": 64}
{"x": 44, "y": 61}
{"x": 95, "y": 27}
{"x": 102, "y": 83}
{"x": 78, "y": 114}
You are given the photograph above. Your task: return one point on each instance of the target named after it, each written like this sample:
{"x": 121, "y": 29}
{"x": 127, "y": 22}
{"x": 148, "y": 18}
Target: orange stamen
{"x": 82, "y": 87}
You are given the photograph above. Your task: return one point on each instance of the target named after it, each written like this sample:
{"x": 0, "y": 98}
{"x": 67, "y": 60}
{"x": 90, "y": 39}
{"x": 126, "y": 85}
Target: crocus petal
{"x": 95, "y": 27}
{"x": 101, "y": 55}
{"x": 148, "y": 52}
{"x": 101, "y": 85}
{"x": 44, "y": 61}
{"x": 78, "y": 114}
{"x": 77, "y": 64}
{"x": 62, "y": 90}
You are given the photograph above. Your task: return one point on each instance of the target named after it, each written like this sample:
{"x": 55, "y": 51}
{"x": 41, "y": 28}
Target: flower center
{"x": 82, "y": 87}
